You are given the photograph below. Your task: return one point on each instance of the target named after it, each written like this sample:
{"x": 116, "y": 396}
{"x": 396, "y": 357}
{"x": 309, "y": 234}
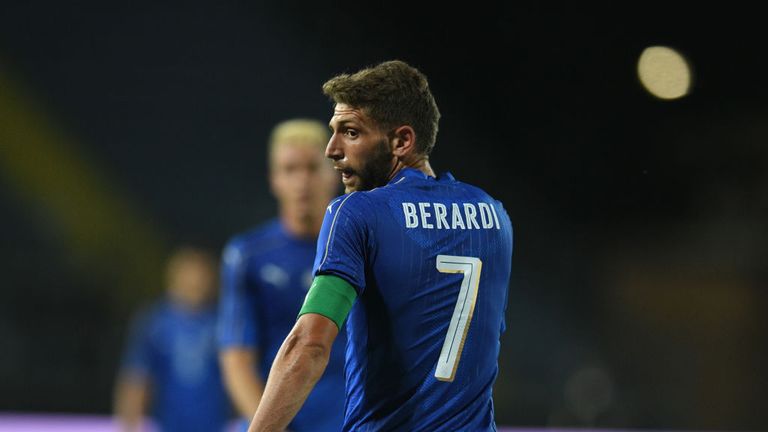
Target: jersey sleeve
{"x": 341, "y": 245}
{"x": 238, "y": 326}
{"x": 137, "y": 354}
{"x": 506, "y": 225}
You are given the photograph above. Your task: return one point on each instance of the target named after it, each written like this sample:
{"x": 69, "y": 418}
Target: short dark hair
{"x": 392, "y": 93}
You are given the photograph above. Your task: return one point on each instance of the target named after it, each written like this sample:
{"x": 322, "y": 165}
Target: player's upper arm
{"x": 237, "y": 303}
{"x": 331, "y": 297}
{"x": 137, "y": 355}
{"x": 343, "y": 241}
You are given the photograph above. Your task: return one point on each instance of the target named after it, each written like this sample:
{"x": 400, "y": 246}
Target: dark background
{"x": 639, "y": 272}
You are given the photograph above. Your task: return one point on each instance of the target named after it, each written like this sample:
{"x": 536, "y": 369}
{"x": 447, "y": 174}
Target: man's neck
{"x": 419, "y": 164}
{"x": 300, "y": 227}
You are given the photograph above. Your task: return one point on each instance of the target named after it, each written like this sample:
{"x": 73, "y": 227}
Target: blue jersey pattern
{"x": 176, "y": 349}
{"x": 266, "y": 273}
{"x": 387, "y": 243}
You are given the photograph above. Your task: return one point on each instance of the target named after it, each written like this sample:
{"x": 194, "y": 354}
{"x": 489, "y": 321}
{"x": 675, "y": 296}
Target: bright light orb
{"x": 664, "y": 72}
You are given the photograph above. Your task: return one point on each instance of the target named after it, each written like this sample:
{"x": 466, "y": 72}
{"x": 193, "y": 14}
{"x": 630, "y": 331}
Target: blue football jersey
{"x": 176, "y": 349}
{"x": 430, "y": 259}
{"x": 265, "y": 274}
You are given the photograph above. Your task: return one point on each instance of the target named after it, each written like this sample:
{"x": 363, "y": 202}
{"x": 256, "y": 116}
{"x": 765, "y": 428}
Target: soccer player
{"x": 418, "y": 265}
{"x": 170, "y": 370}
{"x": 267, "y": 271}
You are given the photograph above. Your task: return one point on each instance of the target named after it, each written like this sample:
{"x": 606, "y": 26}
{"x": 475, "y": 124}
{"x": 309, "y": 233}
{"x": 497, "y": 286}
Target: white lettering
{"x": 440, "y": 213}
{"x": 424, "y": 215}
{"x": 486, "y": 218}
{"x": 456, "y": 217}
{"x": 409, "y": 211}
{"x": 471, "y": 212}
{"x": 496, "y": 218}
{"x": 479, "y": 215}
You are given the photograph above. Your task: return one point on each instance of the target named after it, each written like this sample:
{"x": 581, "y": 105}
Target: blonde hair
{"x": 305, "y": 132}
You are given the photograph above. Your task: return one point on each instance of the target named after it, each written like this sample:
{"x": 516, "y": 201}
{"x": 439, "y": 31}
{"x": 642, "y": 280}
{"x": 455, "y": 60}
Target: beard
{"x": 375, "y": 171}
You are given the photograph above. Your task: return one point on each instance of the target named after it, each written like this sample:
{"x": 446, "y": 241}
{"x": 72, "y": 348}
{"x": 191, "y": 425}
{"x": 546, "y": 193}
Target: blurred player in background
{"x": 170, "y": 370}
{"x": 267, "y": 271}
{"x": 422, "y": 261}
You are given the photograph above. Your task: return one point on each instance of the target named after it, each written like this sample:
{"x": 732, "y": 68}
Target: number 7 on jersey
{"x": 462, "y": 313}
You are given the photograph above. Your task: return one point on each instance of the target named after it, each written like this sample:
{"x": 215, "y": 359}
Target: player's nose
{"x": 333, "y": 149}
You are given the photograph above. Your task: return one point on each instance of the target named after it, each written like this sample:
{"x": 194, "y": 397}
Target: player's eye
{"x": 351, "y": 133}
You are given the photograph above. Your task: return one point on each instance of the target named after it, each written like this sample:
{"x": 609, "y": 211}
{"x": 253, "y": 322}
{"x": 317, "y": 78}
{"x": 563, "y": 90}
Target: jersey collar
{"x": 446, "y": 176}
{"x": 413, "y": 172}
{"x": 407, "y": 172}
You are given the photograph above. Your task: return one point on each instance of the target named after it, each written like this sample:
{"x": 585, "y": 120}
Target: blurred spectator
{"x": 170, "y": 371}
{"x": 266, "y": 274}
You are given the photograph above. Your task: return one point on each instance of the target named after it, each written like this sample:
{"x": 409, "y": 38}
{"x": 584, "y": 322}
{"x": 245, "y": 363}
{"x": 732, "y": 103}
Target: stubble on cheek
{"x": 376, "y": 170}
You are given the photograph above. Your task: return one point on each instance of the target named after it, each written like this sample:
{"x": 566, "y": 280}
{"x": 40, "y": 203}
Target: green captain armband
{"x": 331, "y": 297}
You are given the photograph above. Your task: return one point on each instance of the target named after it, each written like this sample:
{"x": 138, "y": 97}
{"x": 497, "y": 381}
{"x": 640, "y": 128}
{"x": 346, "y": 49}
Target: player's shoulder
{"x": 472, "y": 190}
{"x": 479, "y": 193}
{"x": 259, "y": 233}
{"x": 475, "y": 193}
{"x": 150, "y": 315}
{"x": 253, "y": 240}
{"x": 349, "y": 203}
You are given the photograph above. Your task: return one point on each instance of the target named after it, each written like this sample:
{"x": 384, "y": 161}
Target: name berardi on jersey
{"x": 450, "y": 216}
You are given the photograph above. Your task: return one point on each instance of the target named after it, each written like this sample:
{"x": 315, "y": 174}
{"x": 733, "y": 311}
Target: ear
{"x": 404, "y": 141}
